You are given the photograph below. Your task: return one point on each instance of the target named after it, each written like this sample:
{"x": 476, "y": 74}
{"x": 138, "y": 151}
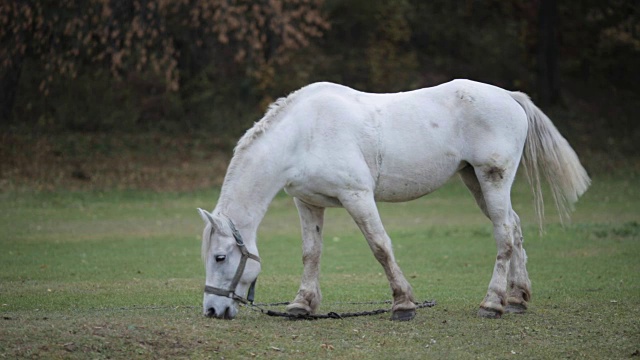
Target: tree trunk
{"x": 9, "y": 80}
{"x": 548, "y": 73}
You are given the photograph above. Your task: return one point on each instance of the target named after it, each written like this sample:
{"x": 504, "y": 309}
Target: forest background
{"x": 154, "y": 93}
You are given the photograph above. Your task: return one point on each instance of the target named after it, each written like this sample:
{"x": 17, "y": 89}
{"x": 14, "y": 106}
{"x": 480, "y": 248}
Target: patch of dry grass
{"x": 77, "y": 161}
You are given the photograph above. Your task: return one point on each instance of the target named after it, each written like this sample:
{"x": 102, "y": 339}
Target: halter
{"x": 231, "y": 292}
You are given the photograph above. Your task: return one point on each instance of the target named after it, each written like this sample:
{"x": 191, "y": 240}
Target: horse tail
{"x": 547, "y": 152}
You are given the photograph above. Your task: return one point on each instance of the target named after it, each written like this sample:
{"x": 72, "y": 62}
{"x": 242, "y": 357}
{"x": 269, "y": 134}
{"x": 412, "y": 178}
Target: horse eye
{"x": 220, "y": 258}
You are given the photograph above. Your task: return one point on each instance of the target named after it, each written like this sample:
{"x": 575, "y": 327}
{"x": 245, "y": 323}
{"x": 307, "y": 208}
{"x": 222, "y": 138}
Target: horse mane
{"x": 261, "y": 126}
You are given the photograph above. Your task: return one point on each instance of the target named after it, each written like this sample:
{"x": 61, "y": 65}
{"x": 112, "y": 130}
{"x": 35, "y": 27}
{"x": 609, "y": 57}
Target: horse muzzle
{"x": 219, "y": 307}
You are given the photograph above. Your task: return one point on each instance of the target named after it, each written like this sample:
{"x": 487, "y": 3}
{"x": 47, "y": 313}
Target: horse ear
{"x": 206, "y": 216}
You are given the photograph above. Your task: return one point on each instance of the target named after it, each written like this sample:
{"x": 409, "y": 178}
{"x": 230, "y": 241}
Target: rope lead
{"x": 330, "y": 315}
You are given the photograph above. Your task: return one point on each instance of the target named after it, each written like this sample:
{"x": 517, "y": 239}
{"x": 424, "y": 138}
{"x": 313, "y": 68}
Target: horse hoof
{"x": 403, "y": 315}
{"x": 516, "y": 309}
{"x": 489, "y": 313}
{"x": 298, "y": 309}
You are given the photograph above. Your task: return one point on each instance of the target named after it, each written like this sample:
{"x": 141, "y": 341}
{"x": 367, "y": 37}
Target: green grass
{"x": 117, "y": 274}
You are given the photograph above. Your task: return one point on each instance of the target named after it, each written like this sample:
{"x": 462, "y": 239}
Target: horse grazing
{"x": 329, "y": 145}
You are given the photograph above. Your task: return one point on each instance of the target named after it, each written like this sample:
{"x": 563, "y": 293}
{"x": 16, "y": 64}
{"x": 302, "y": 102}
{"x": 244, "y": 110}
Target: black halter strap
{"x": 231, "y": 292}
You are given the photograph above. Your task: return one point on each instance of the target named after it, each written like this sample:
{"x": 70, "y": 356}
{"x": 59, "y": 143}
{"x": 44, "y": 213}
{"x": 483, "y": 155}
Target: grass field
{"x": 117, "y": 274}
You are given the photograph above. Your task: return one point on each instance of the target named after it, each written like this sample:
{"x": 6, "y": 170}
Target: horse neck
{"x": 253, "y": 179}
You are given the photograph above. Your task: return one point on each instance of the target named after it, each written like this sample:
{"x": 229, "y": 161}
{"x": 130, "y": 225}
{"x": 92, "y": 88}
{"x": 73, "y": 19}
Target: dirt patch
{"x": 494, "y": 174}
{"x": 81, "y": 161}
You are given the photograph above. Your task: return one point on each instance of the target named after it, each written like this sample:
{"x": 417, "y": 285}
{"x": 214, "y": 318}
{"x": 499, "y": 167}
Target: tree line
{"x": 103, "y": 65}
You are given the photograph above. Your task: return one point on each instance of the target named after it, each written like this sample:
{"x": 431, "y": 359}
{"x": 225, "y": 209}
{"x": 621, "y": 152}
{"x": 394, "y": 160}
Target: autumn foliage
{"x": 141, "y": 36}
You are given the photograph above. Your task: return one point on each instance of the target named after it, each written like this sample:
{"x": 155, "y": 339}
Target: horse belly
{"x": 404, "y": 183}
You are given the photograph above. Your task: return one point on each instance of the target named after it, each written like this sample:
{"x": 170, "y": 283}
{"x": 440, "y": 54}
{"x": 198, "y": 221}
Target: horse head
{"x": 229, "y": 273}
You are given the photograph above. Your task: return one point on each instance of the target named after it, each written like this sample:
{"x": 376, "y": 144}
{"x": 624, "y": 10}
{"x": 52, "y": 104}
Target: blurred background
{"x": 153, "y": 94}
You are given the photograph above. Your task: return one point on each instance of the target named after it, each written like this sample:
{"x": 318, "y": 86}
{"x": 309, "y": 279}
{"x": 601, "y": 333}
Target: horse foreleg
{"x": 361, "y": 206}
{"x": 309, "y": 297}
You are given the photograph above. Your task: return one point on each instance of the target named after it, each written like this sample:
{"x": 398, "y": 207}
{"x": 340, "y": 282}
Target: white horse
{"x": 329, "y": 145}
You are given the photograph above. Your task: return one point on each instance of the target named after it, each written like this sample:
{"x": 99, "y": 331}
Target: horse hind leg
{"x": 491, "y": 187}
{"x": 468, "y": 176}
{"x": 309, "y": 296}
{"x": 362, "y": 208}
{"x": 519, "y": 285}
